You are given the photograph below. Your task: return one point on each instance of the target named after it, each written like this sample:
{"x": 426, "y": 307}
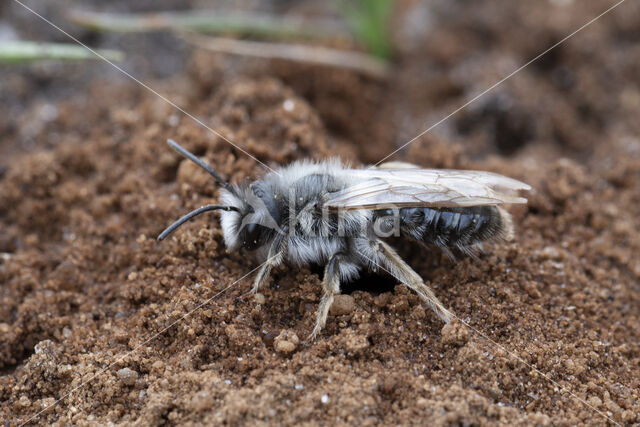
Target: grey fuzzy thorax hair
{"x": 290, "y": 202}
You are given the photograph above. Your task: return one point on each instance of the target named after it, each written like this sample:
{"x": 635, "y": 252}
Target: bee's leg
{"x": 273, "y": 260}
{"x": 399, "y": 269}
{"x": 331, "y": 287}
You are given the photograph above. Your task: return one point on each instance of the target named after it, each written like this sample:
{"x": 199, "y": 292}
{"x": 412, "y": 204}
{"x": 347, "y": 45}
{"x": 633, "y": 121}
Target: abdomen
{"x": 459, "y": 228}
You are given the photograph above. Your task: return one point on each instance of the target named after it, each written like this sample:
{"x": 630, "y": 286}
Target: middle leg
{"x": 331, "y": 287}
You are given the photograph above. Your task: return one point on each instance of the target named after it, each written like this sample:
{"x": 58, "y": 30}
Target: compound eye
{"x": 252, "y": 236}
{"x": 258, "y": 192}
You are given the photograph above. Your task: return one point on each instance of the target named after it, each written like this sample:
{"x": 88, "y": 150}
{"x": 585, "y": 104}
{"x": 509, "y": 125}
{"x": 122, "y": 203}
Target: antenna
{"x": 203, "y": 165}
{"x": 191, "y": 214}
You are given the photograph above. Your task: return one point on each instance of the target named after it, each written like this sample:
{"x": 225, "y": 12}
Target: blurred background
{"x": 435, "y": 56}
{"x": 87, "y": 182}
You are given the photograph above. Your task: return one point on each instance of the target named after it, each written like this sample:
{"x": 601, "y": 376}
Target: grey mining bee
{"x": 328, "y": 214}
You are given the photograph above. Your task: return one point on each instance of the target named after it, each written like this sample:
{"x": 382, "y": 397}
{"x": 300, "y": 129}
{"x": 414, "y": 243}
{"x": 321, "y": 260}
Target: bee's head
{"x": 256, "y": 220}
{"x": 250, "y": 214}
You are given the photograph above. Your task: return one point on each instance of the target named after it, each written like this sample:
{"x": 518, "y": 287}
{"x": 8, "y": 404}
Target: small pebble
{"x": 127, "y": 376}
{"x": 549, "y": 252}
{"x": 354, "y": 342}
{"x": 324, "y": 398}
{"x": 342, "y": 305}
{"x": 47, "y": 404}
{"x": 259, "y": 298}
{"x": 24, "y": 401}
{"x": 288, "y": 105}
{"x": 455, "y": 332}
{"x": 286, "y": 342}
{"x": 42, "y": 346}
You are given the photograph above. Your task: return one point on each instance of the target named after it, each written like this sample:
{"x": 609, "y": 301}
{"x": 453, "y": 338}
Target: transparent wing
{"x": 412, "y": 187}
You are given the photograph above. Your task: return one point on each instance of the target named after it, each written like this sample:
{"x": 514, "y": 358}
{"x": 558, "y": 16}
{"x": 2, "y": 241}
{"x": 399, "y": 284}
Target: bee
{"x": 328, "y": 214}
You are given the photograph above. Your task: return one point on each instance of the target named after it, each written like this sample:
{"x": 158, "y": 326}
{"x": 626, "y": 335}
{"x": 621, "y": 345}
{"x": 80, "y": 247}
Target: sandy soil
{"x": 122, "y": 329}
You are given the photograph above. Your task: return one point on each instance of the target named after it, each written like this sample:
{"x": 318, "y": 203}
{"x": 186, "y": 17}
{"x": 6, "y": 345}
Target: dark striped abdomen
{"x": 459, "y": 228}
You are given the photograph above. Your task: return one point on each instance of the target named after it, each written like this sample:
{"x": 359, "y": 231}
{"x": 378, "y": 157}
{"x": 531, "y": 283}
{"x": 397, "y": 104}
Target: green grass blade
{"x": 17, "y": 52}
{"x": 369, "y": 20}
{"x": 237, "y": 23}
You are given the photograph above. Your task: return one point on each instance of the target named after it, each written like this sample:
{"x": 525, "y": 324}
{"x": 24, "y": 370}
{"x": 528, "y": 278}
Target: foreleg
{"x": 273, "y": 260}
{"x": 275, "y": 257}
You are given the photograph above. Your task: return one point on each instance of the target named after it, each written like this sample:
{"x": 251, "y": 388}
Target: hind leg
{"x": 383, "y": 255}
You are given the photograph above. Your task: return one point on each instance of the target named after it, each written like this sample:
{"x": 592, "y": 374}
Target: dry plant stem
{"x": 356, "y": 61}
{"x": 16, "y": 52}
{"x": 211, "y": 21}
